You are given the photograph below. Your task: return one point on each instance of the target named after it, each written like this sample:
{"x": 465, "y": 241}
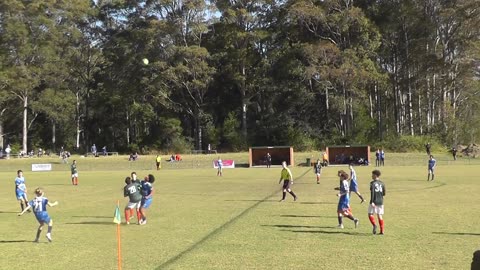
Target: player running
{"x": 21, "y": 189}
{"x": 432, "y": 163}
{"x": 147, "y": 194}
{"x": 132, "y": 190}
{"x": 287, "y": 178}
{"x": 377, "y": 192}
{"x": 354, "y": 184}
{"x": 343, "y": 208}
{"x": 318, "y": 170}
{"x": 39, "y": 206}
{"x": 74, "y": 171}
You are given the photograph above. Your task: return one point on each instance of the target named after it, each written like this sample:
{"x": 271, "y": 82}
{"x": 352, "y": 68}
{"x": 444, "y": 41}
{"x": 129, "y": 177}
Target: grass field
{"x": 200, "y": 221}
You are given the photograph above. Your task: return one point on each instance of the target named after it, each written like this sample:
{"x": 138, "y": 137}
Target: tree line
{"x": 234, "y": 73}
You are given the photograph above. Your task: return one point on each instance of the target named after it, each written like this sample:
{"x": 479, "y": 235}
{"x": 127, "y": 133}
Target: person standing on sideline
{"x": 74, "y": 171}
{"x": 39, "y": 206}
{"x": 343, "y": 208}
{"x": 287, "y": 178}
{"x": 454, "y": 153}
{"x": 158, "y": 162}
{"x": 94, "y": 150}
{"x": 21, "y": 189}
{"x": 377, "y": 192}
{"x": 382, "y": 157}
{"x": 427, "y": 148}
{"x": 318, "y": 170}
{"x": 354, "y": 183}
{"x": 269, "y": 160}
{"x": 432, "y": 163}
{"x": 219, "y": 166}
{"x": 377, "y": 158}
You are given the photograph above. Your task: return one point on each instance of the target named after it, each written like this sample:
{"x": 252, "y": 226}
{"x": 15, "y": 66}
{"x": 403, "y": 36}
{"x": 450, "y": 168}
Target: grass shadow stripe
{"x": 219, "y": 229}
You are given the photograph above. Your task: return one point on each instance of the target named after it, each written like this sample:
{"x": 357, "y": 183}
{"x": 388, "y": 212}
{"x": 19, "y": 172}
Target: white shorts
{"x": 75, "y": 175}
{"x": 134, "y": 205}
{"x": 318, "y": 174}
{"x": 377, "y": 209}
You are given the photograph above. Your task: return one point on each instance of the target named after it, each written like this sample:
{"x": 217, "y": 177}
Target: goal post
{"x": 346, "y": 154}
{"x": 257, "y": 155}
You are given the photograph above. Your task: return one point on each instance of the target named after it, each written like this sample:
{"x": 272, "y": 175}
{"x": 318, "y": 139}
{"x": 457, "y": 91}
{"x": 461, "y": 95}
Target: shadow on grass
{"x": 92, "y": 216}
{"x": 298, "y": 216}
{"x": 90, "y": 223}
{"x": 457, "y": 233}
{"x": 316, "y": 203}
{"x": 8, "y": 212}
{"x": 296, "y": 226}
{"x": 437, "y": 185}
{"x": 14, "y": 241}
{"x": 57, "y": 185}
{"x": 330, "y": 232}
{"x": 251, "y": 200}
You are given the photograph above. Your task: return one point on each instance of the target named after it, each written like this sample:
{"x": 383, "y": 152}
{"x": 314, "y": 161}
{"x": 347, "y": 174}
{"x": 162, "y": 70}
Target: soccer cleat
{"x": 128, "y": 222}
{"x": 36, "y": 240}
{"x": 49, "y": 237}
{"x": 363, "y": 200}
{"x": 295, "y": 199}
{"x": 356, "y": 221}
{"x": 318, "y": 182}
{"x": 374, "y": 231}
{"x": 282, "y": 200}
{"x": 340, "y": 226}
{"x": 381, "y": 233}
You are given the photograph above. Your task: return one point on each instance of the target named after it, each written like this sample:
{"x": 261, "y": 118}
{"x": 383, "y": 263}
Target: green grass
{"x": 200, "y": 221}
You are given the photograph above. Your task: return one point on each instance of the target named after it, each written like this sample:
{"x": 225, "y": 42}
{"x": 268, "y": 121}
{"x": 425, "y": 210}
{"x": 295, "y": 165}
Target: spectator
{"x": 325, "y": 159}
{"x": 8, "y": 150}
{"x": 454, "y": 153}
{"x": 427, "y": 148}
{"x": 94, "y": 150}
{"x": 178, "y": 157}
{"x": 133, "y": 157}
{"x": 172, "y": 158}
{"x": 104, "y": 150}
{"x": 269, "y": 160}
{"x": 40, "y": 152}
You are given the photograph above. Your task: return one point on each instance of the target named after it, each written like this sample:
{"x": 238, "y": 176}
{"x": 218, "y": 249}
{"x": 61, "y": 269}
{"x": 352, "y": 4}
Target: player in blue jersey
{"x": 21, "y": 189}
{"x": 39, "y": 206}
{"x": 147, "y": 194}
{"x": 354, "y": 183}
{"x": 343, "y": 208}
{"x": 432, "y": 163}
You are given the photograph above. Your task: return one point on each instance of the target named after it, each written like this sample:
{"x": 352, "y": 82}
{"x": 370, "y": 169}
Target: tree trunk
{"x": 25, "y": 126}
{"x": 243, "y": 92}
{"x": 53, "y": 135}
{"x": 1, "y": 129}
{"x": 77, "y": 110}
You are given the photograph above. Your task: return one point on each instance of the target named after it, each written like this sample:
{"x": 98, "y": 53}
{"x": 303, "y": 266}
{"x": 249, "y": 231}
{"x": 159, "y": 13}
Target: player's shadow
{"x": 316, "y": 203}
{"x": 92, "y": 216}
{"x": 14, "y": 241}
{"x": 457, "y": 233}
{"x": 330, "y": 232}
{"x": 90, "y": 223}
{"x": 296, "y": 226}
{"x": 8, "y": 212}
{"x": 251, "y": 200}
{"x": 303, "y": 216}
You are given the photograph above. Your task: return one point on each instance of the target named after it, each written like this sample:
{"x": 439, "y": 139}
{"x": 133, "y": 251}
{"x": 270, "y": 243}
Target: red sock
{"x": 372, "y": 219}
{"x": 381, "y": 225}
{"x": 127, "y": 214}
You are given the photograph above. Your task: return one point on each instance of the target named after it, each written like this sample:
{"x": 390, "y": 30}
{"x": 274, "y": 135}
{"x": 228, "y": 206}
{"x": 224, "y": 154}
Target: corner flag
{"x": 117, "y": 218}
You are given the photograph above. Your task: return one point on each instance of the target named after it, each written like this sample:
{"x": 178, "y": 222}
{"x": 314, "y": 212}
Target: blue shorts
{"x": 20, "y": 195}
{"x": 343, "y": 203}
{"x": 146, "y": 202}
{"x": 43, "y": 217}
{"x": 353, "y": 186}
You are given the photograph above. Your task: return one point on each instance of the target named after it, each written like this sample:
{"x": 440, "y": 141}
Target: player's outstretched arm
{"x": 52, "y": 204}
{"x": 25, "y": 210}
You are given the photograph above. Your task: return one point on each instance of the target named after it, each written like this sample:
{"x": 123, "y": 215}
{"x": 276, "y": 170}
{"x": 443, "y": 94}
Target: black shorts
{"x": 286, "y": 184}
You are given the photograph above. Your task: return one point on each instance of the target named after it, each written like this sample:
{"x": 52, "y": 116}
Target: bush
{"x": 405, "y": 143}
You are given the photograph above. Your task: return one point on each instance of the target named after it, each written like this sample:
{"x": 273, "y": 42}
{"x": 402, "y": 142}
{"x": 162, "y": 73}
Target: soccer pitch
{"x": 201, "y": 221}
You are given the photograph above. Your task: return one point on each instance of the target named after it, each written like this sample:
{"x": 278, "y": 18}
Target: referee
{"x": 287, "y": 178}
